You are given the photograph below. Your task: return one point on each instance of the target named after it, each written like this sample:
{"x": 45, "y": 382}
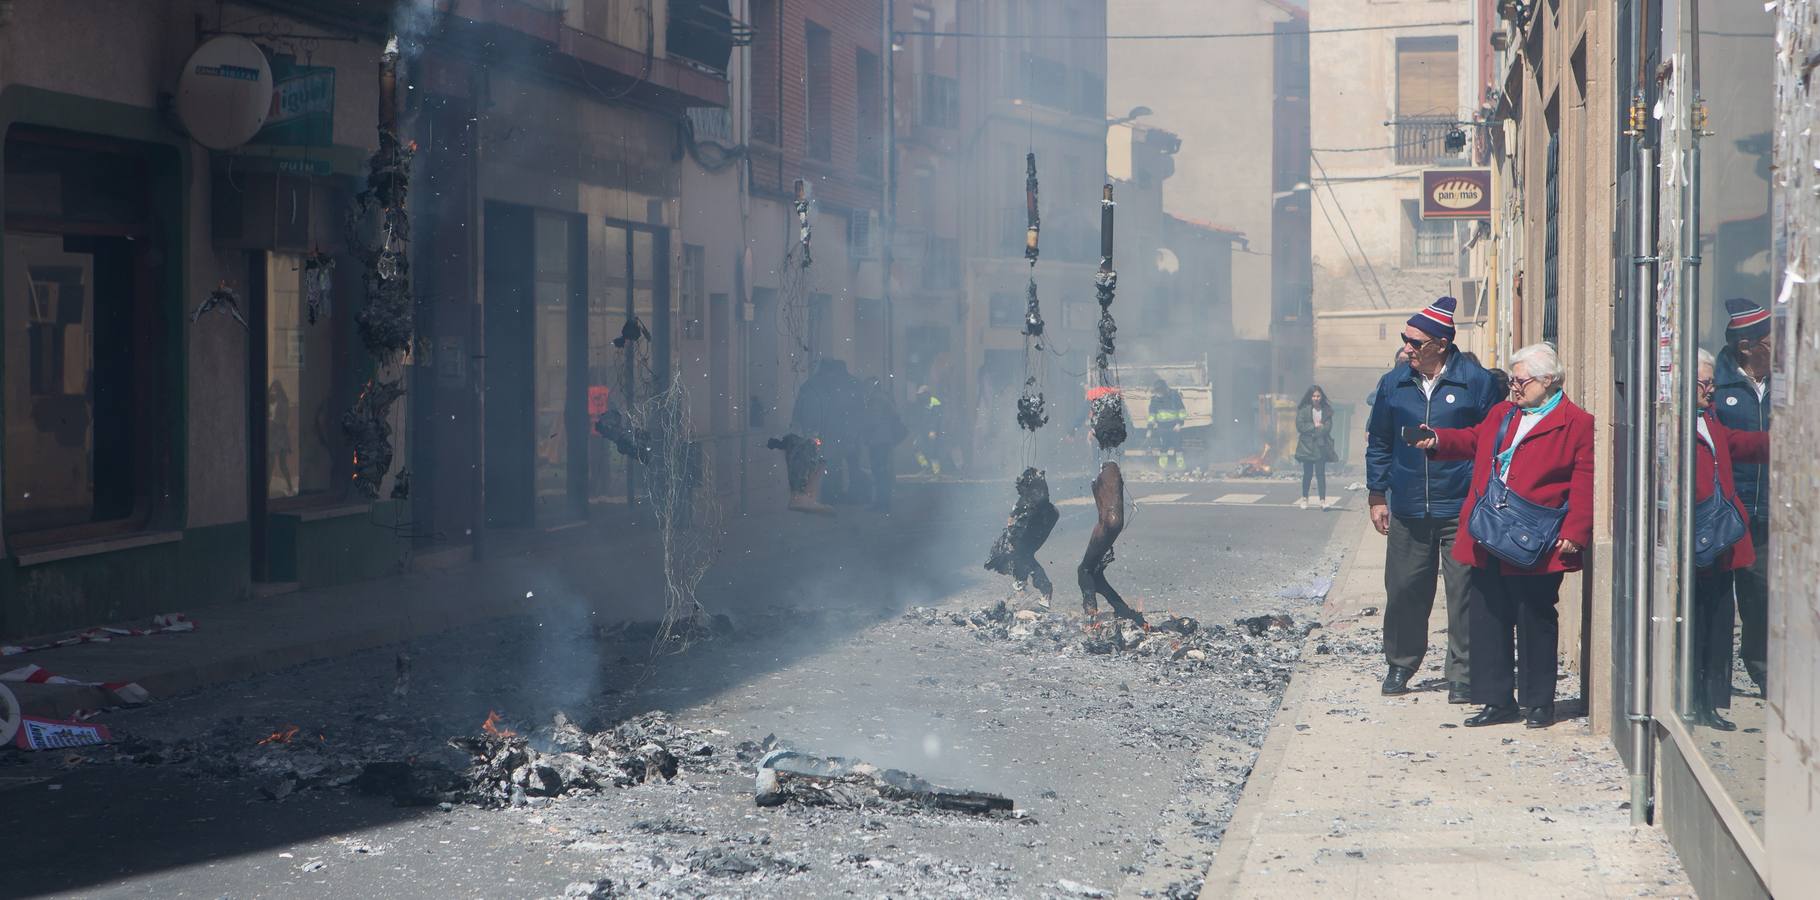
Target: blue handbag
{"x": 1506, "y": 525}
{"x": 1717, "y": 525}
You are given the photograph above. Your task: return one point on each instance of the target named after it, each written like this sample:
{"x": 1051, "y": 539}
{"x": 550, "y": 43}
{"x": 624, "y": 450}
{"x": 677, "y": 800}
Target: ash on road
{"x": 1124, "y": 762}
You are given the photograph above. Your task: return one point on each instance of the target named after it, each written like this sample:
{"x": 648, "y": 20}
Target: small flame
{"x": 491, "y": 726}
{"x": 281, "y": 736}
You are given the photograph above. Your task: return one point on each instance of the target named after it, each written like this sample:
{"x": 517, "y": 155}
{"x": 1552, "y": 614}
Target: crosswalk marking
{"x": 1238, "y": 498}
{"x": 1075, "y": 501}
{"x": 1162, "y": 498}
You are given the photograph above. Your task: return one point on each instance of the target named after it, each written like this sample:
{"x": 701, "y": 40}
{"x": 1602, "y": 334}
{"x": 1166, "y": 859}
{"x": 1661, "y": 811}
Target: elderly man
{"x": 1415, "y": 501}
{"x": 1741, "y": 401}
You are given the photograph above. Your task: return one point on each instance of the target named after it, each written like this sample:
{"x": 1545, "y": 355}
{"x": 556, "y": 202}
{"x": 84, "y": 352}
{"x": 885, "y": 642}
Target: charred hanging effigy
{"x": 1106, "y": 408}
{"x": 1032, "y": 409}
{"x": 1106, "y": 404}
{"x": 1032, "y": 519}
{"x": 380, "y": 233}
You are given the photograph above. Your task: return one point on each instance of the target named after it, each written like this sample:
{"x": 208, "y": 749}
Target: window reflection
{"x": 1724, "y": 665}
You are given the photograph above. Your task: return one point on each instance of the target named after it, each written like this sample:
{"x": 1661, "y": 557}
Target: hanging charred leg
{"x": 803, "y": 465}
{"x": 1032, "y": 519}
{"x": 1109, "y": 500}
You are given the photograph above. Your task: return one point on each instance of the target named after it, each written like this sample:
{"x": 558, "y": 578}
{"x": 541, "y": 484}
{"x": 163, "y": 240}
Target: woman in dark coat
{"x": 1714, "y": 604}
{"x": 1314, "y": 442}
{"x": 1547, "y": 458}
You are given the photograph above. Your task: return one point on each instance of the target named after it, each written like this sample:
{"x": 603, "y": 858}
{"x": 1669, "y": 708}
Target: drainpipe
{"x": 1642, "y": 575}
{"x": 1690, "y": 343}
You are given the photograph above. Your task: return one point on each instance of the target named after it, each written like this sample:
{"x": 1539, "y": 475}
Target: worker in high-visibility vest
{"x": 1166, "y": 417}
{"x": 927, "y": 409}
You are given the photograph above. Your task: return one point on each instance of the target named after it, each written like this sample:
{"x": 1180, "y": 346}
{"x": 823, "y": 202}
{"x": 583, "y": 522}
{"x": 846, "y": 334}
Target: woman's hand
{"x": 1426, "y": 443}
{"x": 1567, "y": 547}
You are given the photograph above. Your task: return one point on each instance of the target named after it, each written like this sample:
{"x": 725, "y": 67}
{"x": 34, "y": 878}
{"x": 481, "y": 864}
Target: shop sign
{"x": 303, "y": 106}
{"x": 1456, "y": 194}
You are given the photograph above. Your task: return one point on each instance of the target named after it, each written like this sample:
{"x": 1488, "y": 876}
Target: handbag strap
{"x": 1503, "y": 429}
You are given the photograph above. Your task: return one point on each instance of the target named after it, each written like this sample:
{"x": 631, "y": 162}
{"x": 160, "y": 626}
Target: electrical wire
{"x": 1316, "y": 159}
{"x": 1181, "y": 37}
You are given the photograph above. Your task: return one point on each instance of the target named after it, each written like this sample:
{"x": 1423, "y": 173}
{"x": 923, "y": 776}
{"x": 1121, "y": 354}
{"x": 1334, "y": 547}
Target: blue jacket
{"x": 1417, "y": 485}
{"x": 1735, "y": 403}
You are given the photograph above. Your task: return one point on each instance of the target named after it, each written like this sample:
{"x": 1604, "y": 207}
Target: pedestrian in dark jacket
{"x": 883, "y": 430}
{"x": 1314, "y": 442}
{"x": 1541, "y": 445}
{"x": 1741, "y": 403}
{"x": 1415, "y": 500}
{"x": 1718, "y": 453}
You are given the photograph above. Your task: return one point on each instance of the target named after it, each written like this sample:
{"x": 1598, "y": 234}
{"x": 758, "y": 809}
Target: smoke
{"x": 411, "y": 23}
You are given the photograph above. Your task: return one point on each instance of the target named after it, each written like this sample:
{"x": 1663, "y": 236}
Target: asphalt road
{"x": 1126, "y": 770}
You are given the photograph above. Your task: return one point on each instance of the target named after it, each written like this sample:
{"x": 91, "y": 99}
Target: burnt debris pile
{"x": 790, "y": 777}
{"x": 508, "y": 769}
{"x": 1259, "y": 651}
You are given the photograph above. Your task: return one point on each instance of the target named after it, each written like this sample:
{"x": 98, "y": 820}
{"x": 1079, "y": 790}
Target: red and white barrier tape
{"x": 129, "y": 692}
{"x": 169, "y": 623}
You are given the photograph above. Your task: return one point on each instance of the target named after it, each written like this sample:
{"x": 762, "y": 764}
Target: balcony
{"x": 1422, "y": 139}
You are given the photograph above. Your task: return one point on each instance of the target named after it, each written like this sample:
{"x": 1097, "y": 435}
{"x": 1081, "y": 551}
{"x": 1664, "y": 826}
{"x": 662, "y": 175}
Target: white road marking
{"x": 1075, "y": 501}
{"x": 1238, "y": 498}
{"x": 1163, "y": 498}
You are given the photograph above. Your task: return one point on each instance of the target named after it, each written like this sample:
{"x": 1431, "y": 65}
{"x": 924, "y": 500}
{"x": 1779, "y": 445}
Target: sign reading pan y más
{"x": 1456, "y": 194}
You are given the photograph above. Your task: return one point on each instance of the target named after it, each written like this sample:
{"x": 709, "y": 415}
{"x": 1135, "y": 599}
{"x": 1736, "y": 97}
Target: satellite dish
{"x": 225, "y": 92}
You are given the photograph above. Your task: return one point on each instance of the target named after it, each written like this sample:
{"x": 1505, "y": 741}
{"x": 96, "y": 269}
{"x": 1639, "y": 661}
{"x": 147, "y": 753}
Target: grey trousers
{"x": 1420, "y": 551}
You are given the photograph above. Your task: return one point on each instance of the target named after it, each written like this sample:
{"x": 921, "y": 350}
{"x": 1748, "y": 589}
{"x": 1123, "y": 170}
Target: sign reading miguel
{"x": 1456, "y": 194}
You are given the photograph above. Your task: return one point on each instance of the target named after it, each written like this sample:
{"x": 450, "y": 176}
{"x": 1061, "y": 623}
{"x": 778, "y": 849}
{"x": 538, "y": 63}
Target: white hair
{"x": 1541, "y": 361}
{"x": 1706, "y": 359}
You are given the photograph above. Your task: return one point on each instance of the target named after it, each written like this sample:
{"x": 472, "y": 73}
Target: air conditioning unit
{"x": 863, "y": 234}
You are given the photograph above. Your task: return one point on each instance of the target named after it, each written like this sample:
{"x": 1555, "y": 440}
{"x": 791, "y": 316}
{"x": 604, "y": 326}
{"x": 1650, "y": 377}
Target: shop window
{"x": 86, "y": 420}
{"x": 302, "y": 419}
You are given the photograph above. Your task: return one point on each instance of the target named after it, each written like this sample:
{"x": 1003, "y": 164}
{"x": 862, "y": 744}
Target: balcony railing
{"x": 1422, "y": 139}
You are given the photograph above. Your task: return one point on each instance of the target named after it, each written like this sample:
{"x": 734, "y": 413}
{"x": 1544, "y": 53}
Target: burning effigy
{"x": 1032, "y": 519}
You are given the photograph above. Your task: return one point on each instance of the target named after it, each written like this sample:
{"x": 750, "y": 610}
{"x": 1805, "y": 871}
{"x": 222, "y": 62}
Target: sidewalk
{"x": 1359, "y": 795}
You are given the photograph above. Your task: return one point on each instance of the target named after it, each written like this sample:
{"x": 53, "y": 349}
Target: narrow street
{"x": 1123, "y": 767}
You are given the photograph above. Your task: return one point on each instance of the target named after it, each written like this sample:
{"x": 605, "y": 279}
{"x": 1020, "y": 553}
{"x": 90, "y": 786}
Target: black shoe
{"x": 1494, "y": 715}
{"x": 1459, "y": 693}
{"x": 1711, "y": 719}
{"x": 1397, "y": 681}
{"x": 1540, "y": 716}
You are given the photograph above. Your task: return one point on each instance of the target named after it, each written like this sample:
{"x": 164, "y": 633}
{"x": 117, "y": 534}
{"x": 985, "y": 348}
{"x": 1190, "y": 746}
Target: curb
{"x": 1223, "y": 876}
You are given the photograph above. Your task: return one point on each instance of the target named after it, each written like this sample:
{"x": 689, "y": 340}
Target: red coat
{"x": 1733, "y": 447}
{"x": 1553, "y": 466}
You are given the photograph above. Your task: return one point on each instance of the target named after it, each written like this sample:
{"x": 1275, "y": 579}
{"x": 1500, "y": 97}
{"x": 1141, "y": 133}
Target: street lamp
{"x": 1135, "y": 113}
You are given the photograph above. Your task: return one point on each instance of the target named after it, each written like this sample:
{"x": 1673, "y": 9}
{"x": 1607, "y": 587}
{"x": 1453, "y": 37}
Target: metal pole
{"x": 477, "y": 325}
{"x": 1642, "y": 509}
{"x": 1690, "y": 343}
{"x": 889, "y": 213}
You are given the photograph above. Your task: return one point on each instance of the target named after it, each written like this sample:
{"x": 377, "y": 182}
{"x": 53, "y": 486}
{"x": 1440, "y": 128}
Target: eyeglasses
{"x": 1705, "y": 384}
{"x": 1415, "y": 343}
{"x": 1518, "y": 384}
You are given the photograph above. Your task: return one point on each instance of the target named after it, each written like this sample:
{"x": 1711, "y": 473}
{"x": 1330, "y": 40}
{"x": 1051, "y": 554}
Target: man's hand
{"x": 1380, "y": 513}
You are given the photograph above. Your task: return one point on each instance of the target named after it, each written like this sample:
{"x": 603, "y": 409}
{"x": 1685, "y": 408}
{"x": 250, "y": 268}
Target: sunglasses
{"x": 1415, "y": 343}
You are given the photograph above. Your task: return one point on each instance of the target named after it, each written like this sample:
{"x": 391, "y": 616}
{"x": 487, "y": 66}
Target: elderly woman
{"x": 1714, "y": 606}
{"x": 1541, "y": 445}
